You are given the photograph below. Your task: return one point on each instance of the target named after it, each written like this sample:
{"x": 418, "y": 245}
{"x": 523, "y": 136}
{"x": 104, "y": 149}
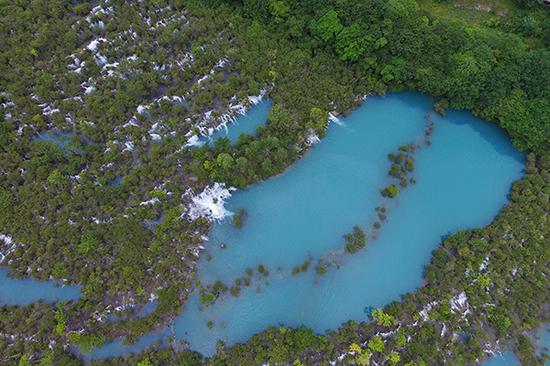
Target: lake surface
{"x": 25, "y": 291}
{"x": 463, "y": 180}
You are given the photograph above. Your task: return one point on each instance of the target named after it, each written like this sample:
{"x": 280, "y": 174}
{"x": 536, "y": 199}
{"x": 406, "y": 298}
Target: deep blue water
{"x": 244, "y": 124}
{"x": 463, "y": 181}
{"x": 22, "y": 292}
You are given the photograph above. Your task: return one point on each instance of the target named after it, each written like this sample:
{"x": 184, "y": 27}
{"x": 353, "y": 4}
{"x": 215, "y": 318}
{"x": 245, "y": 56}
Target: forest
{"x": 123, "y": 87}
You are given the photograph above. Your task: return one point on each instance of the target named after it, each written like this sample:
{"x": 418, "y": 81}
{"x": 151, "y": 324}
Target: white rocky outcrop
{"x": 210, "y": 203}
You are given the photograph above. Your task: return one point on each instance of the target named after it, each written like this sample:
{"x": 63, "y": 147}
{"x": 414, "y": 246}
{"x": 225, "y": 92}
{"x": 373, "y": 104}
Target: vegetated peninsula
{"x": 110, "y": 183}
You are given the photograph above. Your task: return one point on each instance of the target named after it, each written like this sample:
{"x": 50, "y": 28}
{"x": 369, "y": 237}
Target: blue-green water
{"x": 542, "y": 342}
{"x": 462, "y": 182}
{"x": 244, "y": 124}
{"x": 23, "y": 292}
{"x": 57, "y": 137}
{"x": 503, "y": 359}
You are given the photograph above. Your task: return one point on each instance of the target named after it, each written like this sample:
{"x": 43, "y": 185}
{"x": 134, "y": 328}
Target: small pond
{"x": 244, "y": 124}
{"x": 59, "y": 138}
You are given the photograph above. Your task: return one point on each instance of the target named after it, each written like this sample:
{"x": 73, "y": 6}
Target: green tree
{"x": 350, "y": 43}
{"x": 279, "y": 9}
{"x": 376, "y": 344}
{"x": 88, "y": 243}
{"x": 383, "y": 319}
{"x": 327, "y": 26}
{"x": 393, "y": 358}
{"x": 144, "y": 362}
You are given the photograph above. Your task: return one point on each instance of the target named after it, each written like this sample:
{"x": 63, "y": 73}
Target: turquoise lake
{"x": 463, "y": 180}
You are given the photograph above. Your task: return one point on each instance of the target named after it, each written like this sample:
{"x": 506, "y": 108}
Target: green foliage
{"x": 499, "y": 319}
{"x": 238, "y": 218}
{"x": 279, "y": 9}
{"x": 376, "y": 344}
{"x": 144, "y": 362}
{"x": 24, "y": 361}
{"x": 61, "y": 320}
{"x": 318, "y": 121}
{"x": 86, "y": 342}
{"x": 88, "y": 244}
{"x": 393, "y": 358}
{"x": 390, "y": 191}
{"x": 404, "y": 9}
{"x": 383, "y": 319}
{"x": 327, "y": 26}
{"x": 350, "y": 43}
{"x": 356, "y": 240}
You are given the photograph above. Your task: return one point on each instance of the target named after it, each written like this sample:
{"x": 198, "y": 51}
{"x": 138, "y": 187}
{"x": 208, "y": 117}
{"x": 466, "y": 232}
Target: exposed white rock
{"x": 194, "y": 140}
{"x": 203, "y": 78}
{"x": 311, "y": 137}
{"x": 334, "y": 119}
{"x": 48, "y": 109}
{"x": 155, "y": 137}
{"x": 185, "y": 60}
{"x": 92, "y": 46}
{"x": 101, "y": 60}
{"x": 76, "y": 62}
{"x": 152, "y": 201}
{"x": 484, "y": 264}
{"x": 129, "y": 146}
{"x": 210, "y": 203}
{"x": 459, "y": 301}
{"x": 424, "y": 312}
{"x": 89, "y": 89}
{"x": 131, "y": 122}
{"x": 9, "y": 245}
{"x": 257, "y": 98}
{"x": 142, "y": 108}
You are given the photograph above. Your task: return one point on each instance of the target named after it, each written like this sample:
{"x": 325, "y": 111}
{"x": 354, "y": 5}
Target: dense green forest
{"x": 130, "y": 84}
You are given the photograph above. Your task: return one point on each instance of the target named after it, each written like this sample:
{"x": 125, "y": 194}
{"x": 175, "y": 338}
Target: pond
{"x": 59, "y": 138}
{"x": 247, "y": 124}
{"x": 463, "y": 180}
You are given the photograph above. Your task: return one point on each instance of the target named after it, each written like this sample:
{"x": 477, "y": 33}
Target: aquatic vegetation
{"x": 390, "y": 191}
{"x": 238, "y": 218}
{"x": 302, "y": 268}
{"x": 356, "y": 240}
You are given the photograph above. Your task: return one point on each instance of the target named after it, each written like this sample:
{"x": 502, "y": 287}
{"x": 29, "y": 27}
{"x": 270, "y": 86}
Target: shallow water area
{"x": 503, "y": 359}
{"x": 508, "y": 358}
{"x": 247, "y": 124}
{"x": 59, "y": 138}
{"x": 25, "y": 291}
{"x": 463, "y": 180}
